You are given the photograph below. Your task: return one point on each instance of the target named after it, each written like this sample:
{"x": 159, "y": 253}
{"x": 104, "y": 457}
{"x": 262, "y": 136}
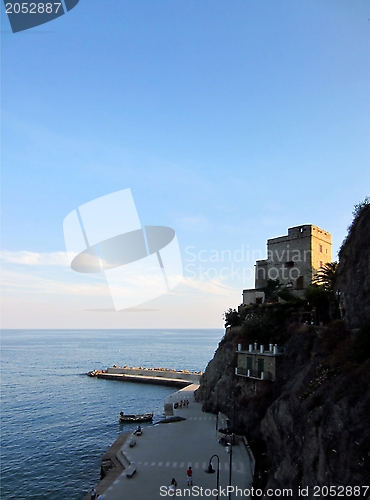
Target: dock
{"x": 158, "y": 376}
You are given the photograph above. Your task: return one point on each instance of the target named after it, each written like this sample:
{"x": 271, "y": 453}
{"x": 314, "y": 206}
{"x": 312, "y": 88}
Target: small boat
{"x": 140, "y": 417}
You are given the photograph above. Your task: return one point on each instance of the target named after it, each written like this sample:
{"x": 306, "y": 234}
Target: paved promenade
{"x": 165, "y": 451}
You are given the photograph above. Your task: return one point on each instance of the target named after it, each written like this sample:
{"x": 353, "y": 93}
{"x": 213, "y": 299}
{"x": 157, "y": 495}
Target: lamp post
{"x": 231, "y": 443}
{"x": 231, "y": 462}
{"x": 211, "y": 470}
{"x": 217, "y": 413}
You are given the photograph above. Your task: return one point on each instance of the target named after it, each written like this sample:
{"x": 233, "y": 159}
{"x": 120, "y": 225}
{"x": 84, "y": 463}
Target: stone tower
{"x": 292, "y": 259}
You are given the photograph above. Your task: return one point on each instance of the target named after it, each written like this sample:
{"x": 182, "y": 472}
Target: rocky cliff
{"x": 354, "y": 270}
{"x": 311, "y": 426}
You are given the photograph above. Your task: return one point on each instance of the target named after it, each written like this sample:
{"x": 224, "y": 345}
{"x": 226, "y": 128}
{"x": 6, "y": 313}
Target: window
{"x": 300, "y": 283}
{"x": 320, "y": 246}
{"x": 320, "y": 263}
{"x": 249, "y": 363}
{"x": 261, "y": 366}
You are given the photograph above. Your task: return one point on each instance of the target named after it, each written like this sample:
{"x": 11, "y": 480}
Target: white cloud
{"x": 25, "y": 283}
{"x": 214, "y": 287}
{"x": 34, "y": 258}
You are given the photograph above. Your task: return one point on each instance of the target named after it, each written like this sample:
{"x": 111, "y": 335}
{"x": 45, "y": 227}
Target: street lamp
{"x": 211, "y": 470}
{"x": 231, "y": 462}
{"x": 231, "y": 445}
{"x": 217, "y": 412}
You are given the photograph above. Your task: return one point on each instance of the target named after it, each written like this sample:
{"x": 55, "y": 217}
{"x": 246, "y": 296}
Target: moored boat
{"x": 140, "y": 417}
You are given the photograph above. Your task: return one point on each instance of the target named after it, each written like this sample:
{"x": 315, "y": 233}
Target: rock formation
{"x": 311, "y": 426}
{"x": 354, "y": 271}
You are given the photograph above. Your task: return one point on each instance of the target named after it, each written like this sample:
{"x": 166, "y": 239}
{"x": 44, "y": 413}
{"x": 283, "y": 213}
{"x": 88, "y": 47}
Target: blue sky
{"x": 229, "y": 121}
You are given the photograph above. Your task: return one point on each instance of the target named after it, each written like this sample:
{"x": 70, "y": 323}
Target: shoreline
{"x": 113, "y": 472}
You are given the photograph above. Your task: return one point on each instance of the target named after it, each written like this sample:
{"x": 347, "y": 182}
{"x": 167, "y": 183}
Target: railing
{"x": 266, "y": 352}
{"x": 253, "y": 374}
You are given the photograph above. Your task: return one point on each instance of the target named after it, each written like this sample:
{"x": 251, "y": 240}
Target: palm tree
{"x": 327, "y": 276}
{"x": 271, "y": 290}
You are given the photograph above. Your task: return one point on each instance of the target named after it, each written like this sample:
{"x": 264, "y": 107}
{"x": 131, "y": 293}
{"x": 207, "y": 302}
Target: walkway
{"x": 165, "y": 451}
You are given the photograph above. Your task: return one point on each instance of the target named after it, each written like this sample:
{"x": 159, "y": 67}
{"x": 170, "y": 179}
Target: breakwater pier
{"x": 159, "y": 376}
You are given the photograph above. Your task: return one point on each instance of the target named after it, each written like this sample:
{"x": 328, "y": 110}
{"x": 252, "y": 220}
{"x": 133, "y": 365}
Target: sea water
{"x": 57, "y": 423}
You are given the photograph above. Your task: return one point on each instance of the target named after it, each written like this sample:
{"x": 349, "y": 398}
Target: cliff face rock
{"x": 311, "y": 426}
{"x": 219, "y": 375}
{"x": 317, "y": 430}
{"x": 354, "y": 271}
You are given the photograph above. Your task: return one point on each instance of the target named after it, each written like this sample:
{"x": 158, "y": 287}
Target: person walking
{"x": 93, "y": 494}
{"x": 189, "y": 476}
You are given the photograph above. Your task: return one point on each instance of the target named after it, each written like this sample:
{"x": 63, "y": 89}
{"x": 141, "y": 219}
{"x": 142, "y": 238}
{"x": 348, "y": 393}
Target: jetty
{"x": 158, "y": 376}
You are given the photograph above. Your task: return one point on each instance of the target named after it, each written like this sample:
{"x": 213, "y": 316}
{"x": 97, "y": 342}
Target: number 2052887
{"x": 33, "y": 8}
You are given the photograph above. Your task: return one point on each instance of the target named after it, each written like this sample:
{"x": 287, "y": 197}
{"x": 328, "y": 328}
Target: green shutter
{"x": 249, "y": 364}
{"x": 261, "y": 366}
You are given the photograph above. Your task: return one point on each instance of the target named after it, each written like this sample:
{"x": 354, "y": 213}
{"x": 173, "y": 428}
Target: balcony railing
{"x": 251, "y": 349}
{"x": 244, "y": 372}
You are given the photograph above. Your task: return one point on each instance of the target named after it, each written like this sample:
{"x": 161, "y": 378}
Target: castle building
{"x": 292, "y": 259}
